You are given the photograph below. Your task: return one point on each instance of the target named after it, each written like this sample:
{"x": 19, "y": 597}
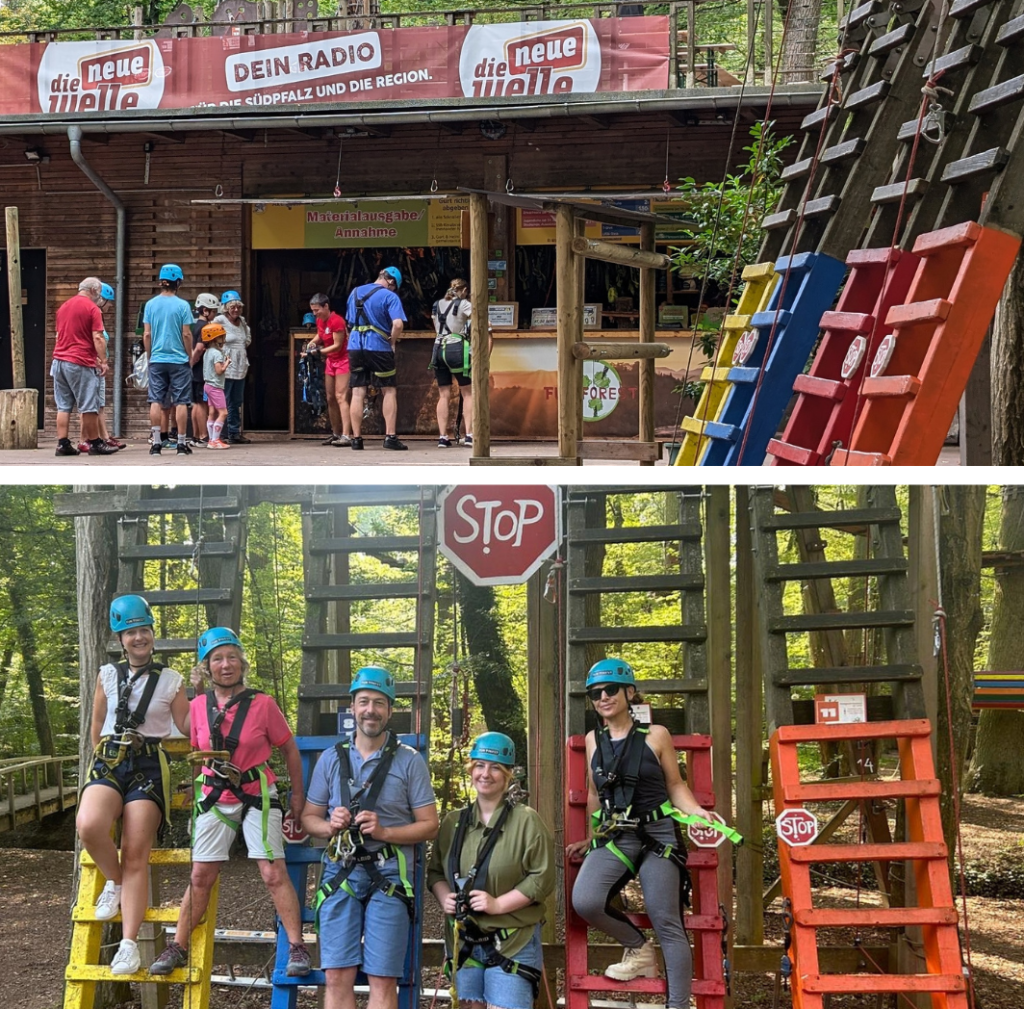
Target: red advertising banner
{"x": 532, "y": 59}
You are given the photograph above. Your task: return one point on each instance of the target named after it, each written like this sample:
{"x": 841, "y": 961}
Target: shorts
{"x": 375, "y": 937}
{"x": 75, "y": 385}
{"x": 198, "y": 394}
{"x": 139, "y": 777}
{"x": 170, "y": 384}
{"x": 215, "y": 396}
{"x": 212, "y": 838}
{"x": 372, "y": 367}
{"x": 444, "y": 376}
{"x": 103, "y": 391}
{"x": 497, "y": 988}
{"x": 336, "y": 364}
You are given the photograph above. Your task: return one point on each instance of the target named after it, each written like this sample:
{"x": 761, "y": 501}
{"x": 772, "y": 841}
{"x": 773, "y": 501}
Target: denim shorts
{"x": 497, "y": 988}
{"x": 170, "y": 384}
{"x": 375, "y": 937}
{"x": 75, "y": 385}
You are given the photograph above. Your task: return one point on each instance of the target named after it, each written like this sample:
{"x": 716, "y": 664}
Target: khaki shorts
{"x": 212, "y": 839}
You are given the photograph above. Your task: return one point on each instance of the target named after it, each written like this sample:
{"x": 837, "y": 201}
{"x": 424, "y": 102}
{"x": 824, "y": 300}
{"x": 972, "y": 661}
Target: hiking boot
{"x": 110, "y": 901}
{"x": 239, "y": 439}
{"x": 391, "y": 441}
{"x": 468, "y": 441}
{"x": 66, "y": 448}
{"x": 155, "y": 448}
{"x": 298, "y": 960}
{"x": 444, "y": 442}
{"x": 173, "y": 957}
{"x": 126, "y": 959}
{"x": 183, "y": 449}
{"x": 357, "y": 443}
{"x": 640, "y": 962}
{"x": 98, "y": 447}
{"x": 342, "y": 441}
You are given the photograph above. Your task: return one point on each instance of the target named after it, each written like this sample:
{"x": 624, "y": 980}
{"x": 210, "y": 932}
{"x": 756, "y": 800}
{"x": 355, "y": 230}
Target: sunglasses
{"x": 604, "y": 690}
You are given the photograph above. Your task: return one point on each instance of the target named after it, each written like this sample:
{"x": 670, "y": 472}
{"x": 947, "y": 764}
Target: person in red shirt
{"x": 79, "y": 364}
{"x": 331, "y": 341}
{"x": 238, "y": 794}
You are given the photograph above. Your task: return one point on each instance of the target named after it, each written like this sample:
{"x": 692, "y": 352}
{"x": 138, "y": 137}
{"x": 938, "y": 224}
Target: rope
{"x": 277, "y": 605}
{"x": 418, "y": 696}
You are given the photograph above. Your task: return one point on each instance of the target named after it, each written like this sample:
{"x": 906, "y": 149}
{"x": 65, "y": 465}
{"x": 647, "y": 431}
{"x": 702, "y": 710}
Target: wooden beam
{"x": 647, "y": 322}
{"x": 621, "y": 352}
{"x": 611, "y": 449}
{"x": 517, "y": 460}
{"x": 569, "y": 332}
{"x": 626, "y": 255}
{"x": 14, "y": 297}
{"x": 597, "y": 123}
{"x": 174, "y": 138}
{"x": 480, "y": 366}
{"x": 246, "y": 136}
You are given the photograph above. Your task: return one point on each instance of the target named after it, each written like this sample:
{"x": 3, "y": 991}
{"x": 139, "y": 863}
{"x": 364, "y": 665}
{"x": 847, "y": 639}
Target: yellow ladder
{"x": 84, "y": 969}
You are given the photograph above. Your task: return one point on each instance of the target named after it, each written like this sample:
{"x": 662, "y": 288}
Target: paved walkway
{"x": 280, "y": 451}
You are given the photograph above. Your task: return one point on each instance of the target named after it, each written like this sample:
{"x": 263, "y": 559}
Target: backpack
{"x": 138, "y": 377}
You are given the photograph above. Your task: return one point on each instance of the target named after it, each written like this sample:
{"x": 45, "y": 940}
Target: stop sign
{"x": 796, "y": 827}
{"x": 706, "y": 837}
{"x": 499, "y": 535}
{"x": 292, "y": 830}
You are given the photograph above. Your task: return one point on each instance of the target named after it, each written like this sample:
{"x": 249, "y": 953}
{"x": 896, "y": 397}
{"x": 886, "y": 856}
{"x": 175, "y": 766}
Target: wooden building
{"x": 182, "y": 176}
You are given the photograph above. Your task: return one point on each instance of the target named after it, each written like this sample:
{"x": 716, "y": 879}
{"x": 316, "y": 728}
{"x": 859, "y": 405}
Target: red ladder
{"x": 921, "y": 367}
{"x": 827, "y": 395}
{"x": 926, "y": 850}
{"x": 704, "y": 923}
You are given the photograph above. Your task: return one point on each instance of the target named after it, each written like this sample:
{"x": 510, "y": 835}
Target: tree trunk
{"x": 96, "y": 579}
{"x": 997, "y": 767}
{"x": 5, "y": 671}
{"x": 26, "y": 636}
{"x": 800, "y": 41}
{"x": 488, "y": 662}
{"x": 1008, "y": 372}
{"x": 961, "y": 523}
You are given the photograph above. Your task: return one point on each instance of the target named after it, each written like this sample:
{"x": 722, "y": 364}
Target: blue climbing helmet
{"x": 495, "y": 747}
{"x": 309, "y": 319}
{"x": 127, "y": 612}
{"x": 374, "y": 678}
{"x": 229, "y": 296}
{"x": 171, "y": 271}
{"x": 394, "y": 273}
{"x": 106, "y": 292}
{"x": 214, "y": 638}
{"x": 611, "y": 671}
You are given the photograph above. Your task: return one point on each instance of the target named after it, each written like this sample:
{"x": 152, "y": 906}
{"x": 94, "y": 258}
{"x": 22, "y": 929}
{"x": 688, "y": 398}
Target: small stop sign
{"x": 292, "y": 829}
{"x": 705, "y": 837}
{"x": 499, "y": 535}
{"x": 796, "y": 827}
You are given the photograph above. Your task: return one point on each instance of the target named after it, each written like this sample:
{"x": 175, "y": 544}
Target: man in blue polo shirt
{"x": 371, "y": 826}
{"x": 167, "y": 336}
{"x": 375, "y": 321}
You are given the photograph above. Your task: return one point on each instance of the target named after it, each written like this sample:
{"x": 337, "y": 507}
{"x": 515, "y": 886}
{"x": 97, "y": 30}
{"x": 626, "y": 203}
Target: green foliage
{"x": 727, "y": 216}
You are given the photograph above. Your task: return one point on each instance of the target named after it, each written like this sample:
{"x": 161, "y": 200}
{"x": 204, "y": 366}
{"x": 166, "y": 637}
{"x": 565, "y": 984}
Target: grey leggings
{"x": 601, "y": 877}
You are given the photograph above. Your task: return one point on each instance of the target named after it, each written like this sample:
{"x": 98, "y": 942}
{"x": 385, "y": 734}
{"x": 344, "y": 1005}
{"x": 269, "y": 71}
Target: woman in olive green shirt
{"x": 493, "y": 893}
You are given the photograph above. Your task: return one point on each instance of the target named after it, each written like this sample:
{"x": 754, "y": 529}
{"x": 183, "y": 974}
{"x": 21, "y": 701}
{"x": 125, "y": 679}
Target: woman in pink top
{"x": 239, "y": 793}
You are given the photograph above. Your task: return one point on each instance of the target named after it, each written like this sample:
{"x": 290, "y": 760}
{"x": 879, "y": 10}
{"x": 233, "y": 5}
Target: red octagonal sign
{"x": 499, "y": 535}
{"x": 797, "y": 827}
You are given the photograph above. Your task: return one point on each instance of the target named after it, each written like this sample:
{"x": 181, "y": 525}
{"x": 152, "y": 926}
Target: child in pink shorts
{"x": 215, "y": 363}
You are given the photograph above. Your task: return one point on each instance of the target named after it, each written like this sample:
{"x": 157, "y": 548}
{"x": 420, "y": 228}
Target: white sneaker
{"x": 110, "y": 901}
{"x": 126, "y": 959}
{"x": 641, "y": 962}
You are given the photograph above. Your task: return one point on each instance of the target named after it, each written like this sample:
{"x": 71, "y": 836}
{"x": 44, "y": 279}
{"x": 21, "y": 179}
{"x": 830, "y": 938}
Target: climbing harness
{"x": 467, "y": 932}
{"x": 311, "y": 378}
{"x": 363, "y": 325}
{"x": 221, "y": 775}
{"x": 450, "y": 349}
{"x": 348, "y": 847}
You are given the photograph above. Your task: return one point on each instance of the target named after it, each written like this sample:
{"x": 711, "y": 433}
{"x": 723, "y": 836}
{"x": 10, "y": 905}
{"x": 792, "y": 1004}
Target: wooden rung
{"x": 175, "y": 551}
{"x": 640, "y": 534}
{"x": 935, "y": 310}
{"x": 903, "y": 728}
{"x": 597, "y": 982}
{"x": 848, "y": 322}
{"x": 90, "y": 972}
{"x": 364, "y": 544}
{"x": 853, "y": 568}
{"x": 955, "y": 236}
{"x": 619, "y": 351}
{"x": 844, "y": 457}
{"x": 919, "y": 788}
{"x": 856, "y": 983}
{"x": 158, "y": 856}
{"x": 851, "y": 517}
{"x": 363, "y": 590}
{"x": 337, "y": 691}
{"x": 644, "y": 451}
{"x": 891, "y": 386}
{"x": 672, "y": 632}
{"x": 897, "y": 851}
{"x": 793, "y": 453}
{"x": 638, "y": 583}
{"x": 822, "y": 388}
{"x": 842, "y": 621}
{"x": 321, "y": 642}
{"x": 355, "y": 497}
{"x": 187, "y": 597}
{"x": 796, "y": 677}
{"x": 874, "y": 917}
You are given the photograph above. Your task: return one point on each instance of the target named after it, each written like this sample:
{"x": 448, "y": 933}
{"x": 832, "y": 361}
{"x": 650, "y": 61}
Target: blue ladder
{"x": 806, "y": 294}
{"x": 299, "y": 857}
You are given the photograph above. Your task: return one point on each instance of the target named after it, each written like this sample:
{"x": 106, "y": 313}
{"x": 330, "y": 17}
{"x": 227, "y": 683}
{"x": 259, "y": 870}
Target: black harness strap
{"x": 129, "y": 721}
{"x": 614, "y": 786}
{"x": 215, "y": 717}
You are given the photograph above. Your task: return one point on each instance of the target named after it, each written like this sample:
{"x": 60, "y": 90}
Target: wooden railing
{"x": 36, "y": 776}
{"x": 691, "y": 63}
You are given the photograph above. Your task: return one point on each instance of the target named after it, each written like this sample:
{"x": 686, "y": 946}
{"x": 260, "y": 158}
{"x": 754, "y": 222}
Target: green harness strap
{"x": 371, "y": 861}
{"x": 264, "y": 804}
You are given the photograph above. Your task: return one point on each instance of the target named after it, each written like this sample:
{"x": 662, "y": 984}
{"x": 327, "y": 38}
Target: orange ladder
{"x": 926, "y": 850}
{"x": 922, "y": 365}
{"x": 705, "y": 923}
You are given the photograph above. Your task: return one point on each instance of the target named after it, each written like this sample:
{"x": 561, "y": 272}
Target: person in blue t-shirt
{"x": 375, "y": 321}
{"x": 167, "y": 336}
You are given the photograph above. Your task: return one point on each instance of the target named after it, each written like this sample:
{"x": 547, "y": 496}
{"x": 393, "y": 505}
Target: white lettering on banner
{"x": 534, "y": 58}
{"x": 100, "y": 76}
{"x": 496, "y": 526}
{"x": 251, "y": 70}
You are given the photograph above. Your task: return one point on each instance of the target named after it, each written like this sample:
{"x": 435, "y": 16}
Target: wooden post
{"x": 749, "y": 859}
{"x": 569, "y": 332}
{"x": 625, "y": 255}
{"x": 646, "y": 367}
{"x": 976, "y": 411}
{"x": 691, "y": 43}
{"x": 18, "y": 404}
{"x": 479, "y": 339}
